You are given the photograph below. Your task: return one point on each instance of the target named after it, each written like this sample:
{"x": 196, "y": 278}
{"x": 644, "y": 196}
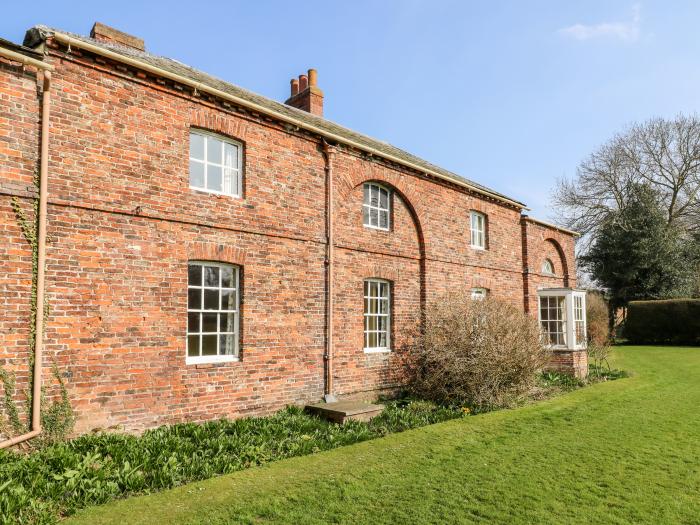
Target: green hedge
{"x": 675, "y": 321}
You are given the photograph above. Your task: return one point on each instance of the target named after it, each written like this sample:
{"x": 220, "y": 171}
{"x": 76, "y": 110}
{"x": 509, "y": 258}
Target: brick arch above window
{"x": 217, "y": 122}
{"x": 563, "y": 263}
{"x": 388, "y": 273}
{"x": 212, "y": 251}
{"x": 397, "y": 182}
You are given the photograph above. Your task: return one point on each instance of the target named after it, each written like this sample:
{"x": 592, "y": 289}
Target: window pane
{"x": 193, "y": 323}
{"x": 383, "y": 199}
{"x": 372, "y": 340}
{"x": 373, "y": 289}
{"x": 383, "y": 219}
{"x": 209, "y": 344}
{"x": 382, "y": 323}
{"x": 365, "y": 193}
{"x": 196, "y": 174}
{"x": 227, "y": 345}
{"x": 230, "y": 182}
{"x": 371, "y": 323}
{"x": 196, "y": 146}
{"x": 382, "y": 340}
{"x": 383, "y": 307}
{"x": 214, "y": 178}
{"x": 231, "y": 156}
{"x": 373, "y": 217}
{"x": 211, "y": 276}
{"x": 211, "y": 299}
{"x": 209, "y": 322}
{"x": 214, "y": 150}
{"x": 194, "y": 275}
{"x": 194, "y": 299}
{"x": 226, "y": 322}
{"x": 192, "y": 345}
{"x": 365, "y": 216}
{"x": 228, "y": 300}
{"x": 227, "y": 280}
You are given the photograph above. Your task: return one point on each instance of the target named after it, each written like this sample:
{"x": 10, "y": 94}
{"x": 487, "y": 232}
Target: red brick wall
{"x": 123, "y": 224}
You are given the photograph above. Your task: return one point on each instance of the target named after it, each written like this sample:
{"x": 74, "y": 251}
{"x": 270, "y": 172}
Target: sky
{"x": 511, "y": 94}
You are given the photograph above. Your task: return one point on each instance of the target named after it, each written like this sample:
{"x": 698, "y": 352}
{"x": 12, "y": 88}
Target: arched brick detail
{"x": 478, "y": 281}
{"x": 370, "y": 172}
{"x": 211, "y": 251}
{"x": 562, "y": 259}
{"x": 388, "y": 273}
{"x": 219, "y": 123}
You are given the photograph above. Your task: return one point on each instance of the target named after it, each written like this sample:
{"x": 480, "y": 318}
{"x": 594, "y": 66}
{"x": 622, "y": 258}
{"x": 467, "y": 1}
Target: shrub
{"x": 672, "y": 321}
{"x": 597, "y": 319}
{"x": 484, "y": 354}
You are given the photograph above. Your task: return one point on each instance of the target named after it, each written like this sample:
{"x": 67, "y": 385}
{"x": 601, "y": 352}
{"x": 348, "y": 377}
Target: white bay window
{"x": 562, "y": 317}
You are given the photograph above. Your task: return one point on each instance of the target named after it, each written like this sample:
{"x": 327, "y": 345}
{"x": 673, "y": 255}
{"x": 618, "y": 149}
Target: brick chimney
{"x": 305, "y": 94}
{"x": 105, "y": 33}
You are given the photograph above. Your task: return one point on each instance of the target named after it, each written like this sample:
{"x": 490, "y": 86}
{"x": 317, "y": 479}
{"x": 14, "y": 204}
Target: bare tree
{"x": 662, "y": 154}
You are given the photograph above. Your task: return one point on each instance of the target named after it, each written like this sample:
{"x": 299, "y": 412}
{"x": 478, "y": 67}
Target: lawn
{"x": 626, "y": 451}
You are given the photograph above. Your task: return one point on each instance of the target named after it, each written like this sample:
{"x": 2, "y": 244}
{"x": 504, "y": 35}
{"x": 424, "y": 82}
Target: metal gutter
{"x": 74, "y": 42}
{"x": 41, "y": 248}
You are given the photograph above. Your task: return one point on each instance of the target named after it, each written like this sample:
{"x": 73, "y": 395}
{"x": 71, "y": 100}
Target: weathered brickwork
{"x": 123, "y": 224}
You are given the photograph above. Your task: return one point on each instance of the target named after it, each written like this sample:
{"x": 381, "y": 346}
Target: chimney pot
{"x": 295, "y": 86}
{"x": 312, "y": 77}
{"x": 303, "y": 83}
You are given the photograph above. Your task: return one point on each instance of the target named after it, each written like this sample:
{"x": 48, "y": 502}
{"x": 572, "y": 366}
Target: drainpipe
{"x": 41, "y": 248}
{"x": 329, "y": 152}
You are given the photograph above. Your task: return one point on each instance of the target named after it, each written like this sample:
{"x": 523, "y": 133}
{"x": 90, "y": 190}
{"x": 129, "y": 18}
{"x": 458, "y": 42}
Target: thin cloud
{"x": 624, "y": 31}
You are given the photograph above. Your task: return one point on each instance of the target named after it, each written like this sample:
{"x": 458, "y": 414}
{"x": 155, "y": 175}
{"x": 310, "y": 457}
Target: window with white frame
{"x": 478, "y": 230}
{"x": 215, "y": 164}
{"x": 548, "y": 267}
{"x": 212, "y": 312}
{"x": 579, "y": 321}
{"x": 479, "y": 294}
{"x": 377, "y": 315}
{"x": 553, "y": 320}
{"x": 376, "y": 207}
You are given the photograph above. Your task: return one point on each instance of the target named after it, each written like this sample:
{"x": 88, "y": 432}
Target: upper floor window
{"x": 548, "y": 267}
{"x": 479, "y": 294}
{"x": 377, "y": 315}
{"x": 212, "y": 312}
{"x": 375, "y": 206}
{"x": 478, "y": 230}
{"x": 215, "y": 164}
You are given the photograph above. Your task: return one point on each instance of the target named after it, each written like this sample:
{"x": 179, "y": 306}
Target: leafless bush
{"x": 597, "y": 319}
{"x": 480, "y": 353}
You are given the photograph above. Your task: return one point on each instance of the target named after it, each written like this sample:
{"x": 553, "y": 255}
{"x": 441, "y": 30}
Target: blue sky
{"x": 510, "y": 94}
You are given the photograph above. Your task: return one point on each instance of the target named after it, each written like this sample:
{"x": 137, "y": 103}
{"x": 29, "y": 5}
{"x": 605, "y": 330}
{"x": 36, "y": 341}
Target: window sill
{"x": 215, "y": 193}
{"x": 376, "y": 228}
{"x": 211, "y": 359}
{"x": 478, "y": 248}
{"x": 377, "y": 350}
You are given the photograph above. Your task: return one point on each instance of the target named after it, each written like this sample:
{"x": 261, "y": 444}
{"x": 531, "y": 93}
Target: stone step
{"x": 342, "y": 411}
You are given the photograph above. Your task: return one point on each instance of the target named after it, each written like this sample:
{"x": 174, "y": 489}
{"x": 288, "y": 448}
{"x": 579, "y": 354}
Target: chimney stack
{"x": 305, "y": 94}
{"x": 105, "y": 33}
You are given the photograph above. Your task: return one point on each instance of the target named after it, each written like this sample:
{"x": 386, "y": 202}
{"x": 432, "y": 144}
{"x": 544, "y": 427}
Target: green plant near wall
{"x": 57, "y": 417}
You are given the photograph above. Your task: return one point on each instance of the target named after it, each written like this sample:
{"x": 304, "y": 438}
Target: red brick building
{"x": 210, "y": 252}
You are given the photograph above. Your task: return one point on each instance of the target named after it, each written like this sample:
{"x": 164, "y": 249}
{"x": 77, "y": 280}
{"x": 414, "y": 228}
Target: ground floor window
{"x": 479, "y": 294}
{"x": 212, "y": 312}
{"x": 553, "y": 320}
{"x": 377, "y": 315}
{"x": 562, "y": 315}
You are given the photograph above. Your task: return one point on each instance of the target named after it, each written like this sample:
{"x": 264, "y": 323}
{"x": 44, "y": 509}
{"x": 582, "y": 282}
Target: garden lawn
{"x": 625, "y": 451}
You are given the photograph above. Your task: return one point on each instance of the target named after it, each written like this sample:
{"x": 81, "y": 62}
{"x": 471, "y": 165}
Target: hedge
{"x": 675, "y": 321}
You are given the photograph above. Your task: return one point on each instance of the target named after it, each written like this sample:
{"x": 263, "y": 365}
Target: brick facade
{"x": 123, "y": 224}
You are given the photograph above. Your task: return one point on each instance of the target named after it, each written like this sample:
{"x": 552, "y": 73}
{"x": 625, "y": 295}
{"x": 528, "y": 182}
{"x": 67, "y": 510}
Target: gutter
{"x": 550, "y": 225}
{"x": 41, "y": 240}
{"x": 198, "y": 86}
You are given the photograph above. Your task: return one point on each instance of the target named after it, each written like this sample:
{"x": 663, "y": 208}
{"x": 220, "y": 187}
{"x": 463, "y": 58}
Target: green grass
{"x": 625, "y": 451}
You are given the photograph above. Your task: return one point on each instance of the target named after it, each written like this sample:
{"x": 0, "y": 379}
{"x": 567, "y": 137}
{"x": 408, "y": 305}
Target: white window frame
{"x": 237, "y": 175}
{"x": 367, "y": 207}
{"x": 219, "y": 358}
{"x": 479, "y": 294}
{"x": 477, "y": 224}
{"x": 574, "y": 316}
{"x": 548, "y": 267}
{"x": 366, "y": 292}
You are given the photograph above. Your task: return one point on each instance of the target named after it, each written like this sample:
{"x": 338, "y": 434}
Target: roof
{"x": 40, "y": 33}
{"x": 552, "y": 226}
